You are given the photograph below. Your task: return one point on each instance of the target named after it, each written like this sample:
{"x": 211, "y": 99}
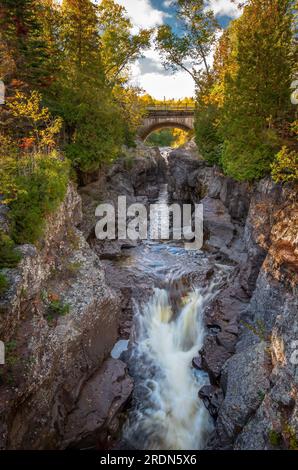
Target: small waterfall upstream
{"x": 166, "y": 412}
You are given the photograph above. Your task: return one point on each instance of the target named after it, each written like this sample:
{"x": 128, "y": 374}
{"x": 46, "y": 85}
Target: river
{"x": 168, "y": 332}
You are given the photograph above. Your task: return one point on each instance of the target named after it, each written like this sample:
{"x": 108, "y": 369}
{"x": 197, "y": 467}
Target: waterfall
{"x": 166, "y": 412}
{"x": 169, "y": 414}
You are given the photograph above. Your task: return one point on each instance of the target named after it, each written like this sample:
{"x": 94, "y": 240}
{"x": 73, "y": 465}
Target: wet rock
{"x": 94, "y": 421}
{"x": 213, "y": 328}
{"x": 197, "y": 362}
{"x": 213, "y": 358}
{"x": 227, "y": 340}
{"x": 245, "y": 380}
{"x": 212, "y": 398}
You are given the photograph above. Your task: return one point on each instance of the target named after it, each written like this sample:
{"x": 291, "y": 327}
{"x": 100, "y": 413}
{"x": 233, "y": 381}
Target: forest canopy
{"x": 70, "y": 108}
{"x": 245, "y": 120}
{"x": 68, "y": 104}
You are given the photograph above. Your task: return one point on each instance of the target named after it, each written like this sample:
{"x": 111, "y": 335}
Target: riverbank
{"x": 68, "y": 392}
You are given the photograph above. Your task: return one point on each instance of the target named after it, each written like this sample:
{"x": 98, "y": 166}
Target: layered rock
{"x": 59, "y": 321}
{"x": 250, "y": 350}
{"x": 225, "y": 201}
{"x": 260, "y": 381}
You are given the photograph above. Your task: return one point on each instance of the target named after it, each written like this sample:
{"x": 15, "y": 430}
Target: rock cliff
{"x": 251, "y": 348}
{"x": 59, "y": 322}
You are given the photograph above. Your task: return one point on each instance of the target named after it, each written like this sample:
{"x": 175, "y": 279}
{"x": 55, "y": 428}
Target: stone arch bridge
{"x": 159, "y": 117}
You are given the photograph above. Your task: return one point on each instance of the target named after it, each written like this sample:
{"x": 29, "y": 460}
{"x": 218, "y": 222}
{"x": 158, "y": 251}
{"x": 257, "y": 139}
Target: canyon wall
{"x": 65, "y": 310}
{"x": 250, "y": 349}
{"x": 59, "y": 321}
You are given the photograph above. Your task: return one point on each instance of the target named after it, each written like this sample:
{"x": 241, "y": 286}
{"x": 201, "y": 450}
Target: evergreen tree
{"x": 23, "y": 48}
{"x": 93, "y": 125}
{"x": 256, "y": 102}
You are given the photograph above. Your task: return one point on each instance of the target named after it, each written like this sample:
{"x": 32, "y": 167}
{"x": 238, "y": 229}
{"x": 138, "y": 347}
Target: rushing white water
{"x": 171, "y": 416}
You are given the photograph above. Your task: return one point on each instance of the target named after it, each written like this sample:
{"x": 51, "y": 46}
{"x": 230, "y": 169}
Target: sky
{"x": 148, "y": 72}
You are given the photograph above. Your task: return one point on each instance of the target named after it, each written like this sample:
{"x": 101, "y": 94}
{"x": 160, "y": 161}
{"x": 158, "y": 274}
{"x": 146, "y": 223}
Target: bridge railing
{"x": 171, "y": 107}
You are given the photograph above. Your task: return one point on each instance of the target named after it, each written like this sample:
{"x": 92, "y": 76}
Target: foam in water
{"x": 169, "y": 414}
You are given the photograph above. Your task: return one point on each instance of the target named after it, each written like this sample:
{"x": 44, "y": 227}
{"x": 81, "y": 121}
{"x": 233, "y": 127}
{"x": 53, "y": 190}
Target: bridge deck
{"x": 169, "y": 108}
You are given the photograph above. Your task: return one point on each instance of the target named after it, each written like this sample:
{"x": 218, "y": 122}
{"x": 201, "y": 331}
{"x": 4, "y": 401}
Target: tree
{"x": 23, "y": 48}
{"x": 188, "y": 50}
{"x": 210, "y": 99}
{"x": 94, "y": 130}
{"x": 119, "y": 47}
{"x": 256, "y": 102}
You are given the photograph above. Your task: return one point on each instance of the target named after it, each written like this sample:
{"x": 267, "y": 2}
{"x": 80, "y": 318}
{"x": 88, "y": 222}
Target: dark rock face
{"x": 191, "y": 179}
{"x": 54, "y": 356}
{"x": 225, "y": 202}
{"x": 259, "y": 381}
{"x": 139, "y": 173}
{"x": 212, "y": 398}
{"x": 222, "y": 321}
{"x": 184, "y": 170}
{"x": 242, "y": 397}
{"x": 217, "y": 223}
{"x": 197, "y": 362}
{"x": 95, "y": 418}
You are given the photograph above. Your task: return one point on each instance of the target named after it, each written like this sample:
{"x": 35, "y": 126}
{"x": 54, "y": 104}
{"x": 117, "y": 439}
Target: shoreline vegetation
{"x": 70, "y": 109}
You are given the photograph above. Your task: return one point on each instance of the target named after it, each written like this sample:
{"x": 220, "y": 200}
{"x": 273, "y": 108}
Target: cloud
{"x": 148, "y": 72}
{"x": 148, "y": 65}
{"x": 223, "y": 7}
{"x": 142, "y": 14}
{"x": 160, "y": 85}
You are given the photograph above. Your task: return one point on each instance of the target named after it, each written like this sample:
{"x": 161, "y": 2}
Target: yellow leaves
{"x": 148, "y": 100}
{"x": 285, "y": 166}
{"x": 181, "y": 137}
{"x": 49, "y": 133}
{"x": 29, "y": 107}
{"x": 41, "y": 128}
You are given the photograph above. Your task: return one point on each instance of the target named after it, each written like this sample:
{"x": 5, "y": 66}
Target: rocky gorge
{"x": 73, "y": 297}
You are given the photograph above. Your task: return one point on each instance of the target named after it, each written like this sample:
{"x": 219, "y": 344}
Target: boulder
{"x": 212, "y": 398}
{"x": 94, "y": 422}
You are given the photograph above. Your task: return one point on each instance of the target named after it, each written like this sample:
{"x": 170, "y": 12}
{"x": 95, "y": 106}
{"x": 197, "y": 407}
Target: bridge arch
{"x": 166, "y": 117}
{"x": 164, "y": 125}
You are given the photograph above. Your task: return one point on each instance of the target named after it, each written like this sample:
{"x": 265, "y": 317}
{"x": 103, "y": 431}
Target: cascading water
{"x": 168, "y": 414}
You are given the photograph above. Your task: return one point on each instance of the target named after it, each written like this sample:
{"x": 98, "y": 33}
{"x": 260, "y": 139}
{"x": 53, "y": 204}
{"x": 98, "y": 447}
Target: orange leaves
{"x": 52, "y": 297}
{"x": 27, "y": 143}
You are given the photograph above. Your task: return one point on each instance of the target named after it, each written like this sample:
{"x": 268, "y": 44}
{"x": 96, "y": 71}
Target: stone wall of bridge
{"x": 162, "y": 119}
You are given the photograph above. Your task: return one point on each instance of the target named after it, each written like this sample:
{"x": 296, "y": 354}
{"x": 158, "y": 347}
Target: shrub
{"x": 275, "y": 438}
{"x": 206, "y": 134}
{"x": 285, "y": 166}
{"x": 56, "y": 308}
{"x": 3, "y": 284}
{"x": 39, "y": 192}
{"x": 9, "y": 256}
{"x": 33, "y": 177}
{"x": 291, "y": 437}
{"x": 246, "y": 161}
